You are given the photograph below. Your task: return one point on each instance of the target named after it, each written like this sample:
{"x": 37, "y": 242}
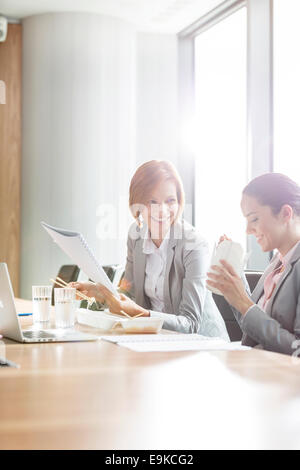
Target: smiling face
{"x": 269, "y": 229}
{"x": 161, "y": 209}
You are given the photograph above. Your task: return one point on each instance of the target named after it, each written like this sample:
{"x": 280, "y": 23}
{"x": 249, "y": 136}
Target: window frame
{"x": 259, "y": 95}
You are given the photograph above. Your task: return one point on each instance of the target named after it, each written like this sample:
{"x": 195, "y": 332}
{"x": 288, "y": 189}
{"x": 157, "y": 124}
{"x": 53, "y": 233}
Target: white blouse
{"x": 156, "y": 260}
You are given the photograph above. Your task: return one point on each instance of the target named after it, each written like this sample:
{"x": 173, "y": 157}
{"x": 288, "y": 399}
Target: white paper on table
{"x": 233, "y": 253}
{"x": 75, "y": 246}
{"x": 176, "y": 342}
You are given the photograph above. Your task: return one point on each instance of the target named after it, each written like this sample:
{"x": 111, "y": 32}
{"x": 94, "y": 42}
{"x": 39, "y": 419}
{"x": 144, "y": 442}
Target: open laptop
{"x": 10, "y": 325}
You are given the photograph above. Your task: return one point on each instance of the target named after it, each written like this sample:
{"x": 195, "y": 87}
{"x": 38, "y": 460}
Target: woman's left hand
{"x": 122, "y": 304}
{"x": 231, "y": 285}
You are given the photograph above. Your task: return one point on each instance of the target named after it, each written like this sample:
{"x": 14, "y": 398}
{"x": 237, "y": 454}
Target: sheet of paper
{"x": 176, "y": 342}
{"x": 75, "y": 246}
{"x": 183, "y": 346}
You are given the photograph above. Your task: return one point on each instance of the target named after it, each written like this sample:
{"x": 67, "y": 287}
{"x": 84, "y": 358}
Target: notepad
{"x": 75, "y": 246}
{"x": 173, "y": 342}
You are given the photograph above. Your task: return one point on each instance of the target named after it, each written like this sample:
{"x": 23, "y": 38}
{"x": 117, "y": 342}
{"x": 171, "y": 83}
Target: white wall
{"x": 99, "y": 99}
{"x": 161, "y": 105}
{"x": 78, "y": 134}
{"x": 157, "y": 97}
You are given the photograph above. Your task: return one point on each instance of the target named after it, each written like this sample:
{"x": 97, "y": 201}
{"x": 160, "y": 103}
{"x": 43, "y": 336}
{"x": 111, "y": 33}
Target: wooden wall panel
{"x": 10, "y": 152}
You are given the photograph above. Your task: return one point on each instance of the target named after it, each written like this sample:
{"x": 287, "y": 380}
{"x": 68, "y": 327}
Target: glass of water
{"x": 65, "y": 306}
{"x": 41, "y": 303}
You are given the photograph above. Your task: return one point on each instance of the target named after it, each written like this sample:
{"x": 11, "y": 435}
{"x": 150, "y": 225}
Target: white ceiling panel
{"x": 165, "y": 16}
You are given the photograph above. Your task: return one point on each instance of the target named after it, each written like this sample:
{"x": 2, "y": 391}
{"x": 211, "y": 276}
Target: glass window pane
{"x": 221, "y": 96}
{"x": 287, "y": 88}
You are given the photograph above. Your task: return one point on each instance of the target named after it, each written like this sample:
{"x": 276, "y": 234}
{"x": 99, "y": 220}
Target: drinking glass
{"x": 65, "y": 306}
{"x": 41, "y": 303}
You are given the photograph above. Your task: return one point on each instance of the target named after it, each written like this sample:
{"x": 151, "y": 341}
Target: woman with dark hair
{"x": 270, "y": 317}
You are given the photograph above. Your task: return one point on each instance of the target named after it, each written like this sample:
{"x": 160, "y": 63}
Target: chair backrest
{"x": 233, "y": 328}
{"x": 114, "y": 273}
{"x": 68, "y": 273}
{"x": 253, "y": 278}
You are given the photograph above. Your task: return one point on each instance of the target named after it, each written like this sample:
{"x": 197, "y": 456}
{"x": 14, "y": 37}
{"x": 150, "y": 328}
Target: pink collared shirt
{"x": 273, "y": 278}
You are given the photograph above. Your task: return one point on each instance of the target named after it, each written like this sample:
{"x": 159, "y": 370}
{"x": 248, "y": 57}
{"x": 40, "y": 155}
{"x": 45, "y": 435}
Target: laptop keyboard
{"x": 39, "y": 334}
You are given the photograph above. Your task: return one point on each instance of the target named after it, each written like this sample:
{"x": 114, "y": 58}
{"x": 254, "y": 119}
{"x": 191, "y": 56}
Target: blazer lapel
{"x": 285, "y": 273}
{"x": 278, "y": 286}
{"x": 170, "y": 258}
{"x": 140, "y": 264}
{"x": 258, "y": 291}
{"x": 140, "y": 268}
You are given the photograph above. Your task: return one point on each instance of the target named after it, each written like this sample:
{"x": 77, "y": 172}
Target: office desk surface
{"x": 96, "y": 395}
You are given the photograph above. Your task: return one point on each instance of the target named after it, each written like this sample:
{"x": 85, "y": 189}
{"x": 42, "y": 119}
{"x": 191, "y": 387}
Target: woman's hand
{"x": 222, "y": 238}
{"x": 115, "y": 304}
{"x": 230, "y": 284}
{"x": 88, "y": 288}
{"x": 121, "y": 304}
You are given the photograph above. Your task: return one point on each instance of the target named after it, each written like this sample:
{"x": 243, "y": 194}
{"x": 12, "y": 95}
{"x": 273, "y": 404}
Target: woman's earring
{"x": 141, "y": 221}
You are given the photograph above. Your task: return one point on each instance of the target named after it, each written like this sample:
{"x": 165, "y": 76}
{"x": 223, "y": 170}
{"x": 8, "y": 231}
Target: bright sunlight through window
{"x": 221, "y": 162}
{"x": 286, "y": 88}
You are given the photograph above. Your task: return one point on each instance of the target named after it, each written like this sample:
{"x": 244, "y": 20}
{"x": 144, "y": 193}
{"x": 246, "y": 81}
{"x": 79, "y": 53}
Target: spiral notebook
{"x": 75, "y": 246}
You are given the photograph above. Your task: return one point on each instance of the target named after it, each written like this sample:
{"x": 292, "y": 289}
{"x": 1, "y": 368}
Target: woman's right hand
{"x": 222, "y": 238}
{"x": 88, "y": 288}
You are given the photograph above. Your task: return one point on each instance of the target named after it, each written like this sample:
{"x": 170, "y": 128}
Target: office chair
{"x": 68, "y": 273}
{"x": 114, "y": 272}
{"x": 233, "y": 328}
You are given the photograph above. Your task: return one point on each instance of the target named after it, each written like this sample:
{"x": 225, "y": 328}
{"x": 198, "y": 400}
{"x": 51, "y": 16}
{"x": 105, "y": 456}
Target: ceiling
{"x": 165, "y": 16}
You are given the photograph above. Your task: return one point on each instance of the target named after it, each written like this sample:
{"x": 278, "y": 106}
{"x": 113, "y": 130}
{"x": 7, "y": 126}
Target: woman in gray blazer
{"x": 270, "y": 317}
{"x": 167, "y": 261}
{"x": 188, "y": 306}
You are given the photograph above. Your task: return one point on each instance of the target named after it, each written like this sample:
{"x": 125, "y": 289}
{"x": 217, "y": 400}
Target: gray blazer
{"x": 188, "y": 305}
{"x": 279, "y": 327}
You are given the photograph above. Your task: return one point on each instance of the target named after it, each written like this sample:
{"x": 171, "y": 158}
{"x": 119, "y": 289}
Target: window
{"x": 287, "y": 88}
{"x": 221, "y": 147}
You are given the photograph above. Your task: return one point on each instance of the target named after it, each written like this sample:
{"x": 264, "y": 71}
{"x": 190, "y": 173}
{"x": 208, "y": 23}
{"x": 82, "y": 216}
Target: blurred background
{"x": 90, "y": 89}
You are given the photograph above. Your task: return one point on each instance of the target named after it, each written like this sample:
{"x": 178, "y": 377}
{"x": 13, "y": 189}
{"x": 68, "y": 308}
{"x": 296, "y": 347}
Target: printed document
{"x": 75, "y": 246}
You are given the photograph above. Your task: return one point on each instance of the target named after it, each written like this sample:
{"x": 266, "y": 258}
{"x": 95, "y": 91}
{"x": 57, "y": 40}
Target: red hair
{"x": 147, "y": 177}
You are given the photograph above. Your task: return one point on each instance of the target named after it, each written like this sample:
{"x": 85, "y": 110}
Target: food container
{"x": 142, "y": 325}
{"x": 97, "y": 319}
{"x": 105, "y": 320}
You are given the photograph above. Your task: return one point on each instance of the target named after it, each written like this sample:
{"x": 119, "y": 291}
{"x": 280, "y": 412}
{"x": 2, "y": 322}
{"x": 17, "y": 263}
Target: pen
{"x": 24, "y": 314}
{"x": 5, "y": 362}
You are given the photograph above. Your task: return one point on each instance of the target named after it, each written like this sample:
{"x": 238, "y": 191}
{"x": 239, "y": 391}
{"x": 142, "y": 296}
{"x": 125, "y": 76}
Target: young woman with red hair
{"x": 167, "y": 260}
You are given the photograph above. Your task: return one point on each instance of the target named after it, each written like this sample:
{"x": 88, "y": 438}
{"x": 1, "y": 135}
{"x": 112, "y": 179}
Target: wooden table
{"x": 96, "y": 395}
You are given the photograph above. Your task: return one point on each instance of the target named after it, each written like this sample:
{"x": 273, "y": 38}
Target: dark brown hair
{"x": 275, "y": 190}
